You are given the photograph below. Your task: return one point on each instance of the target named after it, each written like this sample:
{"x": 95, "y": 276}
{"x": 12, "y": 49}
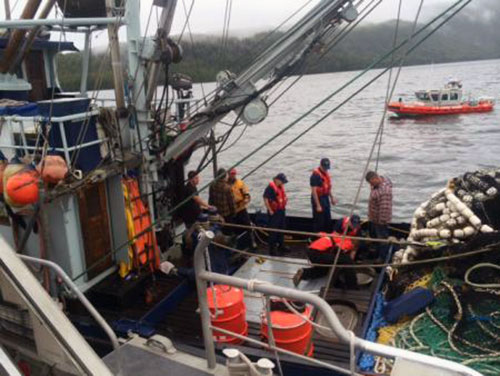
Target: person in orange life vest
{"x": 321, "y": 197}
{"x": 324, "y": 250}
{"x": 276, "y": 200}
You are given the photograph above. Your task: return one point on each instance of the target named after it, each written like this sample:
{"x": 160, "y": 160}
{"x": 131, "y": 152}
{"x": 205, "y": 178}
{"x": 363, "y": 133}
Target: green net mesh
{"x": 462, "y": 325}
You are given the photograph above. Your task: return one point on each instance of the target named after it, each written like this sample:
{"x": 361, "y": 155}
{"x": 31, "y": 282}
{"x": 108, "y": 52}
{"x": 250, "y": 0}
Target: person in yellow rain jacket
{"x": 242, "y": 199}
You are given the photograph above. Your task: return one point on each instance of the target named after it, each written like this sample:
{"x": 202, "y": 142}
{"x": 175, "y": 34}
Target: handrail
{"x": 203, "y": 276}
{"x": 93, "y": 312}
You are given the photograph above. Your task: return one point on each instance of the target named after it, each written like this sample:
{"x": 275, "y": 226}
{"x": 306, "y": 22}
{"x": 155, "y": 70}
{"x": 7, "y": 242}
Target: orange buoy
{"x": 52, "y": 168}
{"x": 22, "y": 188}
{"x": 228, "y": 312}
{"x": 290, "y": 331}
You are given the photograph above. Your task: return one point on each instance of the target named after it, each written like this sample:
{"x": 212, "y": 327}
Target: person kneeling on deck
{"x": 324, "y": 251}
{"x": 219, "y": 257}
{"x": 321, "y": 196}
{"x": 242, "y": 199}
{"x": 276, "y": 200}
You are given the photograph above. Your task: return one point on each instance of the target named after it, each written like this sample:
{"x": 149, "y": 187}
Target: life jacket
{"x": 345, "y": 223}
{"x": 281, "y": 199}
{"x": 326, "y": 182}
{"x": 328, "y": 241}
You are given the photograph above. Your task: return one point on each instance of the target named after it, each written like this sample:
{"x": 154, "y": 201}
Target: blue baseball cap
{"x": 281, "y": 176}
{"x": 325, "y": 163}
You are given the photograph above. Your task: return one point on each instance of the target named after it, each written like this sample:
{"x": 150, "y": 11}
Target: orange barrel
{"x": 22, "y": 188}
{"x": 290, "y": 331}
{"x": 53, "y": 169}
{"x": 231, "y": 312}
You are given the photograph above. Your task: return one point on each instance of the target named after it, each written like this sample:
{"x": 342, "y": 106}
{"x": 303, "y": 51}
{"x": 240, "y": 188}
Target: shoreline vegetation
{"x": 464, "y": 39}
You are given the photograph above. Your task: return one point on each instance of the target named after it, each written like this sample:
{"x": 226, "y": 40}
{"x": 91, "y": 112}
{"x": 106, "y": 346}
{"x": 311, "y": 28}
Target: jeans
{"x": 381, "y": 231}
{"x": 242, "y": 218}
{"x": 277, "y": 220}
{"x": 328, "y": 258}
{"x": 322, "y": 221}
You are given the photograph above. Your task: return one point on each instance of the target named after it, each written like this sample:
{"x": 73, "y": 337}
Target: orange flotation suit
{"x": 328, "y": 241}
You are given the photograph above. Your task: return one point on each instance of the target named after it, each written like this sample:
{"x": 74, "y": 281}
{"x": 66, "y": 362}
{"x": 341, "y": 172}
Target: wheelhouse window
{"x": 422, "y": 95}
{"x": 444, "y": 97}
{"x": 435, "y": 97}
{"x": 454, "y": 96}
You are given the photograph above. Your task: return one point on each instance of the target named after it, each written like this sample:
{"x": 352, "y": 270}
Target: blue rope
{"x": 367, "y": 361}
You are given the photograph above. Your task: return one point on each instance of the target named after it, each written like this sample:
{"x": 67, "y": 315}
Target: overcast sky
{"x": 249, "y": 16}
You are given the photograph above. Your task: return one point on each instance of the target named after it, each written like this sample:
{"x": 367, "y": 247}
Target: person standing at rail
{"x": 322, "y": 197}
{"x": 195, "y": 204}
{"x": 380, "y": 210}
{"x": 275, "y": 199}
{"x": 242, "y": 199}
{"x": 221, "y": 196}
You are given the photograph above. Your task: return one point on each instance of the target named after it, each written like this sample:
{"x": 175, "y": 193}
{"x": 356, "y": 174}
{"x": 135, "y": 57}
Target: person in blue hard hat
{"x": 275, "y": 200}
{"x": 322, "y": 197}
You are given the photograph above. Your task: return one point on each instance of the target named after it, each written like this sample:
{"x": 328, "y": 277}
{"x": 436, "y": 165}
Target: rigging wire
{"x": 191, "y": 39}
{"x": 459, "y": 4}
{"x": 379, "y": 133}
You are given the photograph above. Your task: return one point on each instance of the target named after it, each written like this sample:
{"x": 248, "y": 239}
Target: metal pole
{"x": 116, "y": 64}
{"x": 85, "y": 64}
{"x": 68, "y": 22}
{"x": 33, "y": 33}
{"x": 61, "y": 273}
{"x": 201, "y": 286}
{"x": 214, "y": 152}
{"x": 17, "y": 36}
{"x": 7, "y": 9}
{"x": 167, "y": 16}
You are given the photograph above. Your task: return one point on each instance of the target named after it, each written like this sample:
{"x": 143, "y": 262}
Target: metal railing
{"x": 20, "y": 121}
{"x": 75, "y": 290}
{"x": 203, "y": 276}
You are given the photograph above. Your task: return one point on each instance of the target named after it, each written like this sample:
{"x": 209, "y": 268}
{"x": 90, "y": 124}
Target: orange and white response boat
{"x": 446, "y": 101}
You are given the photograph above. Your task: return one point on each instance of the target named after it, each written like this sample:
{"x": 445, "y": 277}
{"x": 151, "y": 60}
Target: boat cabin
{"x": 448, "y": 96}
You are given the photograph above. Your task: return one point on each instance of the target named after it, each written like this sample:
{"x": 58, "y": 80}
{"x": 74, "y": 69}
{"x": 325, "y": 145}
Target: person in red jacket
{"x": 275, "y": 200}
{"x": 324, "y": 251}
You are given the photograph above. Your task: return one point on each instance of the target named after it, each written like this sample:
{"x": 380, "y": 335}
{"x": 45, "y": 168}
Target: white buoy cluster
{"x": 449, "y": 214}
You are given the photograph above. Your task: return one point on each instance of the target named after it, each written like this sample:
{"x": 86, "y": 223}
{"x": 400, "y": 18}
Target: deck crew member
{"x": 321, "y": 196}
{"x": 380, "y": 210}
{"x": 193, "y": 207}
{"x": 324, "y": 251}
{"x": 221, "y": 196}
{"x": 219, "y": 261}
{"x": 275, "y": 199}
{"x": 242, "y": 199}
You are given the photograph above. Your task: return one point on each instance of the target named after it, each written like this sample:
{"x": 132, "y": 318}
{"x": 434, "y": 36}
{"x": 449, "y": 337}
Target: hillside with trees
{"x": 466, "y": 38}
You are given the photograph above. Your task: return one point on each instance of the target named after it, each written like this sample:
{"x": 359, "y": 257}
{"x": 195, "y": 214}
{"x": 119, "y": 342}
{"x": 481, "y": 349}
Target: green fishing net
{"x": 462, "y": 325}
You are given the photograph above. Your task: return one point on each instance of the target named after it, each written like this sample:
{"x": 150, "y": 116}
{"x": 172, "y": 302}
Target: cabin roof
{"x": 41, "y": 44}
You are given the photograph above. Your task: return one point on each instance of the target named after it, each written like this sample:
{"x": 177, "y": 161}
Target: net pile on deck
{"x": 462, "y": 323}
{"x": 469, "y": 205}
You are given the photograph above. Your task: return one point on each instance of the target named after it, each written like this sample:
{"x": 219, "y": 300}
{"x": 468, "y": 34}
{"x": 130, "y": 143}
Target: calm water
{"x": 418, "y": 155}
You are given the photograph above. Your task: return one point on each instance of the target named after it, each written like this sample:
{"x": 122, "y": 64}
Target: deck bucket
{"x": 290, "y": 331}
{"x": 227, "y": 312}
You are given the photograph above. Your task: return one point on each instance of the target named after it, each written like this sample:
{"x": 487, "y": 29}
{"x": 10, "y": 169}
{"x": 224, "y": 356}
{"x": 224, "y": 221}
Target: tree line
{"x": 464, "y": 39}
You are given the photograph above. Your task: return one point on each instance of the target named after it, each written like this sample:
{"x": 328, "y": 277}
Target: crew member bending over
{"x": 324, "y": 251}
